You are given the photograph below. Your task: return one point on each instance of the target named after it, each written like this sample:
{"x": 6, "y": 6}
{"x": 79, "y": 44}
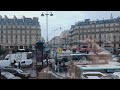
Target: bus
{"x": 106, "y": 68}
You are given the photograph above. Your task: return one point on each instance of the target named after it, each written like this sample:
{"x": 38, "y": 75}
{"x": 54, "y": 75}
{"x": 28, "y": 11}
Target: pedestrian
{"x": 56, "y": 65}
{"x": 59, "y": 66}
{"x": 50, "y": 65}
{"x": 53, "y": 66}
{"x": 19, "y": 65}
{"x": 13, "y": 64}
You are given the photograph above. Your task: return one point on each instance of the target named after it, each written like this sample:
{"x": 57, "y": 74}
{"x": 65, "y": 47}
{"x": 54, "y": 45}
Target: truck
{"x": 16, "y": 58}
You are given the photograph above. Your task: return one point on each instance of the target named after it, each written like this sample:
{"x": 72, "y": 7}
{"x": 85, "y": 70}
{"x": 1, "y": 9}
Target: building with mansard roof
{"x": 105, "y": 33}
{"x": 19, "y": 33}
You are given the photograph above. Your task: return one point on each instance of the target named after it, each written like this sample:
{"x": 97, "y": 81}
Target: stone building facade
{"x": 105, "y": 33}
{"x": 19, "y": 33}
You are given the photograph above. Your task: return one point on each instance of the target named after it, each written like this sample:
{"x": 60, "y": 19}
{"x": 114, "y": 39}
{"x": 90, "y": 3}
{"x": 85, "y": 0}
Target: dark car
{"x": 17, "y": 72}
{"x": 7, "y": 75}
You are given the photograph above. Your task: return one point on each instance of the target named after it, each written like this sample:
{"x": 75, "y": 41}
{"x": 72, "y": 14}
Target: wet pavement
{"x": 32, "y": 72}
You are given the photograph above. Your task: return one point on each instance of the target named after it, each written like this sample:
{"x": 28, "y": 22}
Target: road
{"x": 33, "y": 73}
{"x": 32, "y": 70}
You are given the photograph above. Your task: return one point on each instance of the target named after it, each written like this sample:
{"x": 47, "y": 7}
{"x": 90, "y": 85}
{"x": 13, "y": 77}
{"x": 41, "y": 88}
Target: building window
{"x": 20, "y": 36}
{"x": 6, "y": 40}
{"x": 112, "y": 24}
{"x": 11, "y": 27}
{"x": 21, "y": 31}
{"x": 11, "y": 40}
{"x": 6, "y": 36}
{"x": 97, "y": 30}
{"x": 1, "y": 31}
{"x": 86, "y": 36}
{"x": 25, "y": 40}
{"x": 106, "y": 25}
{"x": 16, "y": 36}
{"x": 116, "y": 28}
{"x": 116, "y": 24}
{"x": 111, "y": 29}
{"x": 11, "y": 31}
{"x": 1, "y": 41}
{"x": 4, "y": 27}
{"x": 1, "y": 36}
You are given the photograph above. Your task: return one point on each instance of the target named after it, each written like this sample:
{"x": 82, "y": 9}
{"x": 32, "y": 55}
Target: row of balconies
{"x": 16, "y": 43}
{"x": 20, "y": 27}
{"x": 76, "y": 33}
{"x": 19, "y": 31}
{"x": 4, "y": 35}
{"x": 96, "y": 26}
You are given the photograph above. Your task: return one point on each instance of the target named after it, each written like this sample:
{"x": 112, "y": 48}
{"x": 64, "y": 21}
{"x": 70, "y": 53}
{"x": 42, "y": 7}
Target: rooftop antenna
{"x": 111, "y": 16}
{"x": 15, "y": 17}
{"x": 23, "y": 18}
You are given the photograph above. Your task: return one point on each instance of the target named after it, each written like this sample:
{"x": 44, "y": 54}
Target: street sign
{"x": 59, "y": 50}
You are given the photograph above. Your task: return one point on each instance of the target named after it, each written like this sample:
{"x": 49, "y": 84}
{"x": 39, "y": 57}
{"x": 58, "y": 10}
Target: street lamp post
{"x": 47, "y": 14}
{"x": 54, "y": 35}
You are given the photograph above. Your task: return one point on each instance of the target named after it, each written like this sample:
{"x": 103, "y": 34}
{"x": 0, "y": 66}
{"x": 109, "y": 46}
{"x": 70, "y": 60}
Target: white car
{"x": 116, "y": 74}
{"x": 25, "y": 63}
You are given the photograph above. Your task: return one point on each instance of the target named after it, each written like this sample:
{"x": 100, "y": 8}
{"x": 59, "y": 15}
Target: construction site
{"x": 97, "y": 64}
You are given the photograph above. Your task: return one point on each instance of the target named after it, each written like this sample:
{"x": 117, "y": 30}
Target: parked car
{"x": 116, "y": 74}
{"x": 17, "y": 72}
{"x": 8, "y": 75}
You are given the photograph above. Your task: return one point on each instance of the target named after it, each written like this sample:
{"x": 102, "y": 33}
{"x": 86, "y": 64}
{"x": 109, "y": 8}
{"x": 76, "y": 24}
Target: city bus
{"x": 106, "y": 68}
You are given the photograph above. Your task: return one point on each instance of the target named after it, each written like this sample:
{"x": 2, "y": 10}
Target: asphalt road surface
{"x": 32, "y": 72}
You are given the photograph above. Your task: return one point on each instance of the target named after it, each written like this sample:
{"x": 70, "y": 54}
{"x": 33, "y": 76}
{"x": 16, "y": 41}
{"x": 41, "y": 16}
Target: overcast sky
{"x": 63, "y": 19}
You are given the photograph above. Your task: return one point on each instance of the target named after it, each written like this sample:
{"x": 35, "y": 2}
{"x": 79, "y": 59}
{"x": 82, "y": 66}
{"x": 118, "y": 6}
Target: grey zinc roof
{"x": 26, "y": 21}
{"x": 98, "y": 21}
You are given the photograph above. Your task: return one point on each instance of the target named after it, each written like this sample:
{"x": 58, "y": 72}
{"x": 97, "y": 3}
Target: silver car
{"x": 7, "y": 75}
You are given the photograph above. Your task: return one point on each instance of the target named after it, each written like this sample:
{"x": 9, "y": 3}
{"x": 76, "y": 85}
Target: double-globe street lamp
{"x": 47, "y": 14}
{"x": 54, "y": 45}
{"x": 54, "y": 34}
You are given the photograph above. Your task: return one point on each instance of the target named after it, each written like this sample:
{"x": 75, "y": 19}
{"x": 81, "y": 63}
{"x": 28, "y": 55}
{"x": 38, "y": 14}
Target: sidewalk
{"x": 63, "y": 75}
